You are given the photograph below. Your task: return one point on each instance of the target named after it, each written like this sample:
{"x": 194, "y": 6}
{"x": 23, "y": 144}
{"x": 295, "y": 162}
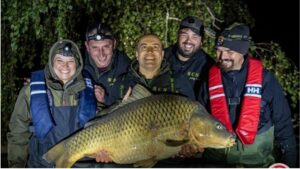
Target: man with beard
{"x": 186, "y": 56}
{"x": 249, "y": 101}
{"x": 188, "y": 59}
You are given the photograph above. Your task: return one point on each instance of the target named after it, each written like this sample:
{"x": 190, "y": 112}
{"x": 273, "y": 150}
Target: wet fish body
{"x": 142, "y": 130}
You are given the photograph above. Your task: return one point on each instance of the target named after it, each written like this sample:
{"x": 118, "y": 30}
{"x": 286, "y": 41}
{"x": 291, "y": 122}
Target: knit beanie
{"x": 236, "y": 37}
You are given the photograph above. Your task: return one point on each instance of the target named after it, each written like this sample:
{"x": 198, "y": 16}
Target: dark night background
{"x": 277, "y": 21}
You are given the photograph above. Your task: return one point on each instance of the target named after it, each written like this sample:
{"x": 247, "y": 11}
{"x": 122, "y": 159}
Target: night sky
{"x": 277, "y": 21}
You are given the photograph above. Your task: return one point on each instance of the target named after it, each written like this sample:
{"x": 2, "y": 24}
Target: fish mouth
{"x": 223, "y": 142}
{"x": 231, "y": 141}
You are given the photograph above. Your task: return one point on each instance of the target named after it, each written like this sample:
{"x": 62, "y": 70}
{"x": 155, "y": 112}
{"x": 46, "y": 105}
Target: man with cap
{"x": 58, "y": 102}
{"x": 105, "y": 64}
{"x": 249, "y": 101}
{"x": 188, "y": 59}
{"x": 186, "y": 56}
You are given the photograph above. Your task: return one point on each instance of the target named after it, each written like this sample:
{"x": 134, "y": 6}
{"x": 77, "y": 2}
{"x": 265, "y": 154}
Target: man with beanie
{"x": 186, "y": 56}
{"x": 58, "y": 102}
{"x": 249, "y": 101}
{"x": 105, "y": 64}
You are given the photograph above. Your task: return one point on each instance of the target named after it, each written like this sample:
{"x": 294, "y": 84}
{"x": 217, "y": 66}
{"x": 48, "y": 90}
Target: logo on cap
{"x": 194, "y": 24}
{"x": 220, "y": 40}
{"x": 191, "y": 20}
{"x": 239, "y": 37}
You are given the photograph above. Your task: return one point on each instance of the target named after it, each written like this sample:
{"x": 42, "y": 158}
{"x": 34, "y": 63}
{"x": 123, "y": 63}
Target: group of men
{"x": 235, "y": 89}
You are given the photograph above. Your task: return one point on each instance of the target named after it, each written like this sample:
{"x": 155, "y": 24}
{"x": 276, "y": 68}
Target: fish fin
{"x": 149, "y": 163}
{"x": 138, "y": 92}
{"x": 59, "y": 156}
{"x": 175, "y": 143}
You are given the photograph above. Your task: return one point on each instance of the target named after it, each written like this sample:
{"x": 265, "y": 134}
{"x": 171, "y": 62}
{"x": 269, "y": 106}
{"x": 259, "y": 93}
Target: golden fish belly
{"x": 136, "y": 133}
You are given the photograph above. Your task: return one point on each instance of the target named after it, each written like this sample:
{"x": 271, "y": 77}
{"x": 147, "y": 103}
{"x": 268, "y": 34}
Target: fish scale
{"x": 149, "y": 128}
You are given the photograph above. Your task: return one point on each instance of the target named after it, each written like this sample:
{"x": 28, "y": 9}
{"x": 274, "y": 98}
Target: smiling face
{"x": 149, "y": 54}
{"x": 101, "y": 51}
{"x": 228, "y": 59}
{"x": 189, "y": 43}
{"x": 64, "y": 67}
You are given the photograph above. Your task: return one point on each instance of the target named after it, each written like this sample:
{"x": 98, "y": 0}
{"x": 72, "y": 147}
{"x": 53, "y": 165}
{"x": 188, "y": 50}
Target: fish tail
{"x": 59, "y": 156}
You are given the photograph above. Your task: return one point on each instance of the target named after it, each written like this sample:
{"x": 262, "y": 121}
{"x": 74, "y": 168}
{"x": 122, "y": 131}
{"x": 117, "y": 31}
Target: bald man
{"x": 152, "y": 71}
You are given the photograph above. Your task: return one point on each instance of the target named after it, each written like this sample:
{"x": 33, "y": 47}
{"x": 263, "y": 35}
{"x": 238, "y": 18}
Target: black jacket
{"x": 110, "y": 79}
{"x": 195, "y": 69}
{"x": 275, "y": 109}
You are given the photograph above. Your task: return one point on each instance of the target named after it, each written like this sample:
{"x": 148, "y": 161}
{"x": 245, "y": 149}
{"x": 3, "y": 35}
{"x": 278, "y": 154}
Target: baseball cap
{"x": 194, "y": 24}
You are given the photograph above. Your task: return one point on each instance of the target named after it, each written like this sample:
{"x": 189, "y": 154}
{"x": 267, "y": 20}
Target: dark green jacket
{"x": 166, "y": 81}
{"x": 19, "y": 135}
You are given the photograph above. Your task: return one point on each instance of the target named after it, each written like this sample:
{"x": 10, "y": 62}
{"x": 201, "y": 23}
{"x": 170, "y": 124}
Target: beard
{"x": 225, "y": 64}
{"x": 185, "y": 53}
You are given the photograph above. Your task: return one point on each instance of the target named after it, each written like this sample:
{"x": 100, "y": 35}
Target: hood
{"x": 51, "y": 77}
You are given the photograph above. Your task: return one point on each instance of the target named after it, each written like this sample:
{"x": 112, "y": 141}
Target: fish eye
{"x": 219, "y": 126}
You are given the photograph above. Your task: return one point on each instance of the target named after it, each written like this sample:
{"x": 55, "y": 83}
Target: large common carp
{"x": 142, "y": 130}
